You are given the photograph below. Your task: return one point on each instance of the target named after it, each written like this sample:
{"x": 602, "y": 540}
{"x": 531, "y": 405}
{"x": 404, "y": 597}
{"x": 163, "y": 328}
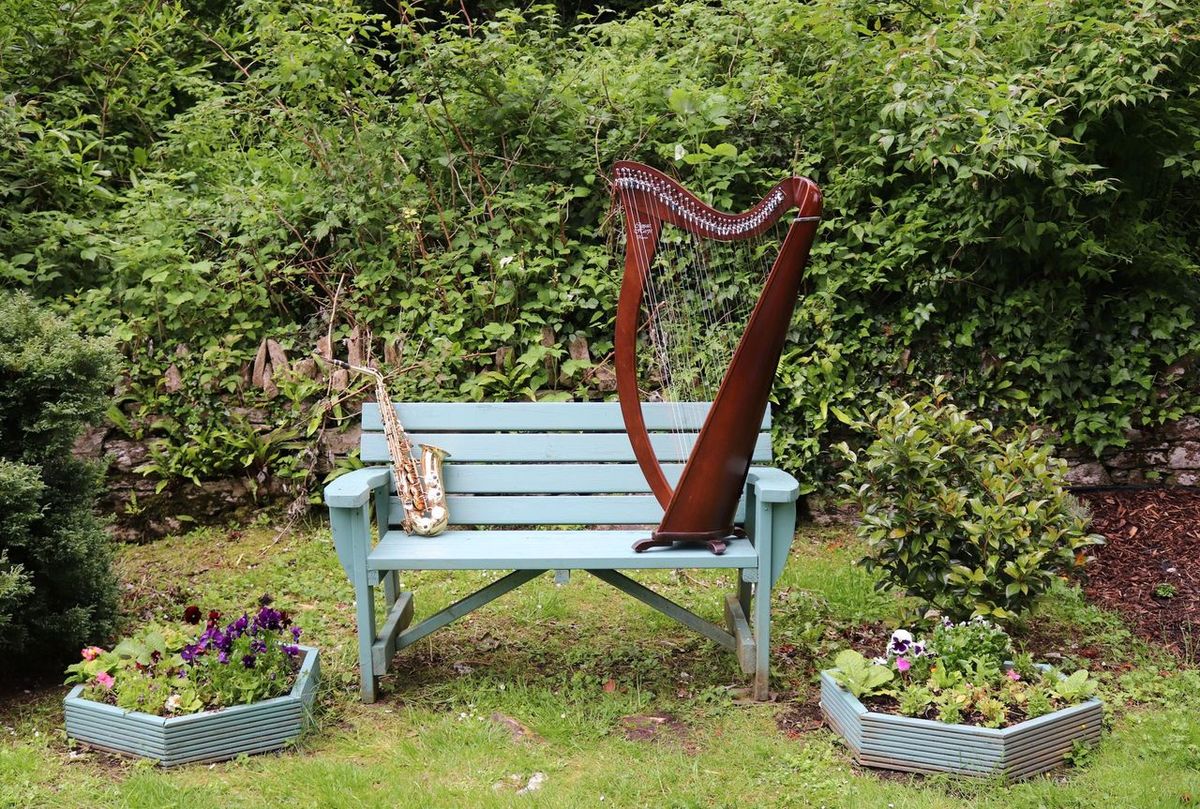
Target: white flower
{"x": 174, "y": 703}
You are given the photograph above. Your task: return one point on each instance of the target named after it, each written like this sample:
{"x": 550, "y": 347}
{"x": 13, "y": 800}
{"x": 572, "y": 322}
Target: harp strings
{"x": 699, "y": 297}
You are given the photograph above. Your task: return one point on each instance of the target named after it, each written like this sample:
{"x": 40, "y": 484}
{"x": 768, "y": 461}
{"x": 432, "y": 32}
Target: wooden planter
{"x": 923, "y": 745}
{"x": 205, "y": 736}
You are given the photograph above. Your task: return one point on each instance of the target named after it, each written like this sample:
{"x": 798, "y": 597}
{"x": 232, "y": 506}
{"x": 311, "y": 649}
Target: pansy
{"x": 248, "y": 661}
{"x": 191, "y": 615}
{"x": 899, "y": 643}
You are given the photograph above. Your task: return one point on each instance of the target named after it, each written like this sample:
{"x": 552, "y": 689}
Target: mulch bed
{"x": 1150, "y": 569}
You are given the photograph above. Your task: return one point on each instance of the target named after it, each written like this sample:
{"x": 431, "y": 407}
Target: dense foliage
{"x": 969, "y": 520}
{"x": 56, "y": 589}
{"x": 1012, "y": 191}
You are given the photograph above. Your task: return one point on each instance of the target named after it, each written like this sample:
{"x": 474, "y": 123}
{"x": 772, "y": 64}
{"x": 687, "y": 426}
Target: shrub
{"x": 968, "y": 519}
{"x": 1009, "y": 186}
{"x": 57, "y": 591}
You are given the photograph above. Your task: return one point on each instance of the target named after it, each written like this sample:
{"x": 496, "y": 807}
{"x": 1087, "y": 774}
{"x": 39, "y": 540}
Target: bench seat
{"x": 545, "y": 550}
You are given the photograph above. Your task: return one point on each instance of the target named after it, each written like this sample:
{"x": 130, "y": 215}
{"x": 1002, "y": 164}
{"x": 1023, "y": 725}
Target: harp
{"x": 680, "y": 329}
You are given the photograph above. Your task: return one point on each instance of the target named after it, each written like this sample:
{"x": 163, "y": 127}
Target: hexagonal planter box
{"x": 923, "y": 745}
{"x": 205, "y": 736}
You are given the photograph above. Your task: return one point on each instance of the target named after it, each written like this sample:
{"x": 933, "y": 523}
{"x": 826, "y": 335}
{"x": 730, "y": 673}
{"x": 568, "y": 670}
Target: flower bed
{"x": 164, "y": 694}
{"x": 206, "y": 736}
{"x": 956, "y": 705}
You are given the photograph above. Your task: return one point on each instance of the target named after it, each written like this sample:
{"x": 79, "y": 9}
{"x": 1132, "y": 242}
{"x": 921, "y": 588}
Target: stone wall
{"x": 142, "y": 514}
{"x": 1166, "y": 455}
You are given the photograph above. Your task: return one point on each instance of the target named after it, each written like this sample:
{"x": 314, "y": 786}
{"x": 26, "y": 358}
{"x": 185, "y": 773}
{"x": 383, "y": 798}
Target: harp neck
{"x": 648, "y": 196}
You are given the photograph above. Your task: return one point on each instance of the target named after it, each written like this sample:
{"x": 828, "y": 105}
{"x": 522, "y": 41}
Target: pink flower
{"x": 1012, "y": 675}
{"x": 92, "y": 652}
{"x": 105, "y": 679}
{"x": 903, "y": 664}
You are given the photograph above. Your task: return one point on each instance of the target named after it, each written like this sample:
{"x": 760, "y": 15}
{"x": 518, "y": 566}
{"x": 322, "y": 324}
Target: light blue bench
{"x": 539, "y": 466}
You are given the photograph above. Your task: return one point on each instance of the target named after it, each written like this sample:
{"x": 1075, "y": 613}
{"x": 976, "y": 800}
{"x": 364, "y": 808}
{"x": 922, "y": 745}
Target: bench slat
{"x": 544, "y": 550}
{"x": 614, "y": 478}
{"x": 552, "y": 447}
{"x": 542, "y": 416}
{"x": 553, "y": 509}
{"x": 550, "y": 509}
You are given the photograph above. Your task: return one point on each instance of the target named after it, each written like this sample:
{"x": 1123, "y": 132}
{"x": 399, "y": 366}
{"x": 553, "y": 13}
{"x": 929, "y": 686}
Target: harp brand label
{"x": 642, "y": 230}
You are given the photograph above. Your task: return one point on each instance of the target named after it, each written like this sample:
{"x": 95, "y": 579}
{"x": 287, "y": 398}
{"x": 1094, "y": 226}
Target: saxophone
{"x": 418, "y": 483}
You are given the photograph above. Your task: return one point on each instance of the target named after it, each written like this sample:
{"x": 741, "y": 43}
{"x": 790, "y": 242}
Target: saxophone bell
{"x": 432, "y": 520}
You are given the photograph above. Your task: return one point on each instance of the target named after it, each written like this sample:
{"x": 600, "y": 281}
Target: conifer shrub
{"x": 57, "y": 589}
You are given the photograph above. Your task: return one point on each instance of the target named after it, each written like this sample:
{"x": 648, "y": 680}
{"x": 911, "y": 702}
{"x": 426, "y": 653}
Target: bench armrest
{"x": 354, "y": 489}
{"x": 773, "y": 485}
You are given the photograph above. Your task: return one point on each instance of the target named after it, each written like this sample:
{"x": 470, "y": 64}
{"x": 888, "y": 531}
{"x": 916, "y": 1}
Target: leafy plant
{"x": 166, "y": 670}
{"x": 961, "y": 515}
{"x": 915, "y": 701}
{"x": 1165, "y": 590}
{"x": 1075, "y": 688}
{"x": 859, "y": 676}
{"x": 971, "y": 647}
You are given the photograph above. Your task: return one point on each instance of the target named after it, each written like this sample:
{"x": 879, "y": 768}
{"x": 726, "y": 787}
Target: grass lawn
{"x": 572, "y": 664}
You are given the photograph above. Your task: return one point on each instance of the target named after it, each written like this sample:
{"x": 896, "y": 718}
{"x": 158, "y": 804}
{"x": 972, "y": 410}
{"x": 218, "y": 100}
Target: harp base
{"x": 715, "y": 541}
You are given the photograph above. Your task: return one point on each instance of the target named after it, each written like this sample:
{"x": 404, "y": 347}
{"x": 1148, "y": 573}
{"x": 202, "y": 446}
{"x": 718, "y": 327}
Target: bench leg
{"x": 762, "y": 639}
{"x": 364, "y": 597}
{"x": 391, "y": 589}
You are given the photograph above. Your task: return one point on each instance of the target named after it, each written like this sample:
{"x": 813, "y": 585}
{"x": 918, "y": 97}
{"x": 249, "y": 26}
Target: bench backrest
{"x": 546, "y": 463}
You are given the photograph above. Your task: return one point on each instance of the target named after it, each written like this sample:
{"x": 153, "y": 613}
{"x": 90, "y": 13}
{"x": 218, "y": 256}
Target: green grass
{"x": 569, "y": 663}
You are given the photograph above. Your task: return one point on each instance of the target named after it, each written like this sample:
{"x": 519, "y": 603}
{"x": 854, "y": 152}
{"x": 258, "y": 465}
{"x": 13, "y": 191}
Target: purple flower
{"x": 290, "y": 651}
{"x": 296, "y": 633}
{"x": 258, "y": 646}
{"x": 222, "y": 657}
{"x": 248, "y": 661}
{"x": 268, "y": 618}
{"x": 902, "y": 664}
{"x": 190, "y": 653}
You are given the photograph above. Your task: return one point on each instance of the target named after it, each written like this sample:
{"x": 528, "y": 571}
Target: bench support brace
{"x": 469, "y": 604}
{"x": 667, "y": 607}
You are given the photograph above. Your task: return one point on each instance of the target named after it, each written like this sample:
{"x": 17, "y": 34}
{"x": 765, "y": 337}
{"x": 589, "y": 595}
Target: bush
{"x": 1009, "y": 187}
{"x": 968, "y": 519}
{"x": 57, "y": 591}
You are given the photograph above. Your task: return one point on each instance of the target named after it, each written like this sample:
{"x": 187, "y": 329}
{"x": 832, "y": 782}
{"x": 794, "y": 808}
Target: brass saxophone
{"x": 418, "y": 483}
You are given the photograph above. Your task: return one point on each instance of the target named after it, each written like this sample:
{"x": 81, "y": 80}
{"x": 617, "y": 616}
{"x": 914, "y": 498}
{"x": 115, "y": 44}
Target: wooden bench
{"x": 518, "y": 470}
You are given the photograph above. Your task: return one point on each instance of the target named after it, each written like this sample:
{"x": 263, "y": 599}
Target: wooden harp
{"x": 683, "y": 261}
